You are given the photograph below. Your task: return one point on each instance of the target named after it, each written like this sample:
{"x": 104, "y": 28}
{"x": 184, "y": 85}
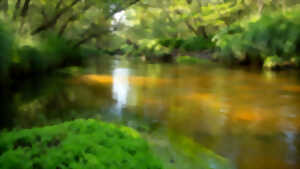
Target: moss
{"x": 80, "y": 144}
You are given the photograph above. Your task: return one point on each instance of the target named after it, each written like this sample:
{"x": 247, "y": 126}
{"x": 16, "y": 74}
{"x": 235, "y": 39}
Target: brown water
{"x": 251, "y": 118}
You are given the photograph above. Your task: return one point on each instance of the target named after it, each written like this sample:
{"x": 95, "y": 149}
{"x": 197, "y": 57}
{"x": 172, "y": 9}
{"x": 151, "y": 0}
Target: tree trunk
{"x": 23, "y": 15}
{"x": 202, "y": 32}
{"x": 17, "y": 7}
{"x": 25, "y": 8}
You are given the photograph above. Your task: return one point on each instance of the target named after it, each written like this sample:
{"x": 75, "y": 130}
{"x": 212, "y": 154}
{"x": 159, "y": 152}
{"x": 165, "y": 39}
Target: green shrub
{"x": 273, "y": 34}
{"x": 81, "y": 144}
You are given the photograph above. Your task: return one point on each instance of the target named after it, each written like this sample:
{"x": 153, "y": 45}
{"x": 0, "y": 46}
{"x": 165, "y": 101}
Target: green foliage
{"x": 7, "y": 43}
{"x": 30, "y": 59}
{"x": 273, "y": 62}
{"x": 177, "y": 19}
{"x": 163, "y": 47}
{"x": 49, "y": 53}
{"x": 187, "y": 26}
{"x": 148, "y": 48}
{"x": 81, "y": 144}
{"x": 191, "y": 60}
{"x": 56, "y": 50}
{"x": 172, "y": 43}
{"x": 197, "y": 44}
{"x": 48, "y": 34}
{"x": 275, "y": 33}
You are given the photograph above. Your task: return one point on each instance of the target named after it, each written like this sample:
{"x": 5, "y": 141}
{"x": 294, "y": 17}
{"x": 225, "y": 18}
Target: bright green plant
{"x": 273, "y": 62}
{"x": 81, "y": 144}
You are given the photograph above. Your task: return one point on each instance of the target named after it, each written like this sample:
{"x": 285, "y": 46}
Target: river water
{"x": 194, "y": 116}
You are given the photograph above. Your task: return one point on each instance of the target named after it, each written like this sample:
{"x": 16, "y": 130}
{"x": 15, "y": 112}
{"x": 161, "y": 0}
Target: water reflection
{"x": 120, "y": 89}
{"x": 251, "y": 118}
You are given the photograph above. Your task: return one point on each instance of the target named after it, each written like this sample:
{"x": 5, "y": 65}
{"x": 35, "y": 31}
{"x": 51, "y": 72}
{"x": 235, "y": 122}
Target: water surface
{"x": 251, "y": 118}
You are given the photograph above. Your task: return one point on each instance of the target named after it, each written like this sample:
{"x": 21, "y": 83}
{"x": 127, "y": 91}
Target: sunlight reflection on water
{"x": 120, "y": 89}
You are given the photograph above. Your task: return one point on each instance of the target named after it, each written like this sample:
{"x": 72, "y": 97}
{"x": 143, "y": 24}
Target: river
{"x": 194, "y": 116}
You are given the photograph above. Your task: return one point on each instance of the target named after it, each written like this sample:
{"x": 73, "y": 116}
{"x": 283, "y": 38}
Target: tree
{"x": 80, "y": 18}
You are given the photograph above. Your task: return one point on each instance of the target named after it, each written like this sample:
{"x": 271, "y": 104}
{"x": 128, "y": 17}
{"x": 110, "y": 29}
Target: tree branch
{"x": 91, "y": 36}
{"x": 122, "y": 8}
{"x": 65, "y": 25}
{"x": 86, "y": 39}
{"x": 58, "y": 5}
{"x": 52, "y": 22}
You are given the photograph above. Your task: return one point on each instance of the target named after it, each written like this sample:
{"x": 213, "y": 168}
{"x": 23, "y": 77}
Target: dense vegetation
{"x": 40, "y": 36}
{"x": 81, "y": 144}
{"x": 264, "y": 32}
{"x": 273, "y": 38}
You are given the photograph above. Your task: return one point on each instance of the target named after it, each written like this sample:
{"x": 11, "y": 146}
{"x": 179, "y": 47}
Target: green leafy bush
{"x": 81, "y": 144}
{"x": 273, "y": 34}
